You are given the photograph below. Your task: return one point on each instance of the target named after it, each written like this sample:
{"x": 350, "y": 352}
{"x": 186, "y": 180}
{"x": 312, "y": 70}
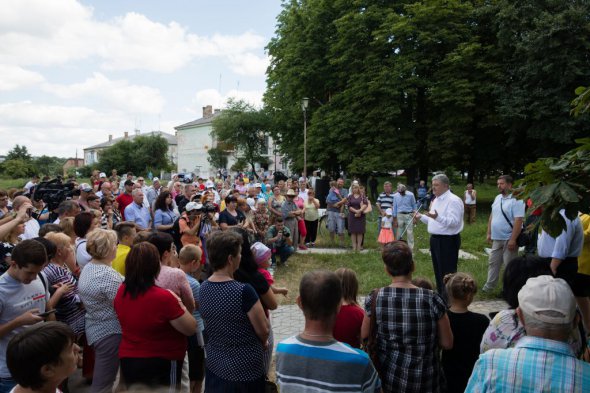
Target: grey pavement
{"x": 287, "y": 320}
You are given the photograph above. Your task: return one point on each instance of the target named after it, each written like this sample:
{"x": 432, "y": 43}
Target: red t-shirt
{"x": 145, "y": 322}
{"x": 124, "y": 200}
{"x": 348, "y": 325}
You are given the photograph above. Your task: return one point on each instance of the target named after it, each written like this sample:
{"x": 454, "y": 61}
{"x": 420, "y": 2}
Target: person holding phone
{"x": 21, "y": 281}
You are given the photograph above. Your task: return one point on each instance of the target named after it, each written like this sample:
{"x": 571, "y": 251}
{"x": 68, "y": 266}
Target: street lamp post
{"x": 304, "y": 104}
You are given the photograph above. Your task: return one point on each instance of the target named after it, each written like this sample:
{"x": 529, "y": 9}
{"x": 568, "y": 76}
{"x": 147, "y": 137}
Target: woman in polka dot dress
{"x": 236, "y": 327}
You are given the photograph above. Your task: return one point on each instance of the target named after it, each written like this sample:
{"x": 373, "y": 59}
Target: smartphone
{"x": 46, "y": 313}
{"x": 29, "y": 211}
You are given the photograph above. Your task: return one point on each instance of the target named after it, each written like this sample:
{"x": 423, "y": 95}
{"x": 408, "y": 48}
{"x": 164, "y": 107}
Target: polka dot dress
{"x": 234, "y": 352}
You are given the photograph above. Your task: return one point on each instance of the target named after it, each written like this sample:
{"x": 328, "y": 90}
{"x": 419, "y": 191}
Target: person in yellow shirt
{"x": 583, "y": 275}
{"x": 125, "y": 233}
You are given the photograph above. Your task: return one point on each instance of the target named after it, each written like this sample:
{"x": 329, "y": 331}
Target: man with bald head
{"x": 105, "y": 190}
{"x": 31, "y": 226}
{"x": 136, "y": 212}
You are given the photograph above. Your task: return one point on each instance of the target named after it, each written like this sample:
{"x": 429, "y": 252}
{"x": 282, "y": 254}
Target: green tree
{"x": 140, "y": 155}
{"x": 19, "y": 153}
{"x": 244, "y": 127}
{"x": 217, "y": 157}
{"x": 50, "y": 166}
{"x": 559, "y": 183}
{"x": 18, "y": 168}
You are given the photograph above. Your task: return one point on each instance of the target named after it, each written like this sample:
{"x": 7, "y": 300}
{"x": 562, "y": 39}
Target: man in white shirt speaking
{"x": 445, "y": 223}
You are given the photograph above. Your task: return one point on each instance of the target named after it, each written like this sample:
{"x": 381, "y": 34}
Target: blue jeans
{"x": 284, "y": 252}
{"x": 6, "y": 385}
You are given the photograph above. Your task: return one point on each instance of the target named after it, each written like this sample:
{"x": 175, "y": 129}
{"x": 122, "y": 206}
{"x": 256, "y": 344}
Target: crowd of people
{"x": 170, "y": 286}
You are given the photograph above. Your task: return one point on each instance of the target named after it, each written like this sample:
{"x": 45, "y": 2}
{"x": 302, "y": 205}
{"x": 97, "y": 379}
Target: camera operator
{"x": 279, "y": 240}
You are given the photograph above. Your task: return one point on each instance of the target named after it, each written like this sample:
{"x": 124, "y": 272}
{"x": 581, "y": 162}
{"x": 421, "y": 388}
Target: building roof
{"x": 169, "y": 137}
{"x": 198, "y": 122}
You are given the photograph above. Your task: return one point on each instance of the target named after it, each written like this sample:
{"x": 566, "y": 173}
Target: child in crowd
{"x": 468, "y": 328}
{"x": 126, "y": 233}
{"x": 349, "y": 320}
{"x": 423, "y": 282}
{"x": 386, "y": 234}
{"x": 42, "y": 356}
{"x": 190, "y": 263}
{"x": 262, "y": 255}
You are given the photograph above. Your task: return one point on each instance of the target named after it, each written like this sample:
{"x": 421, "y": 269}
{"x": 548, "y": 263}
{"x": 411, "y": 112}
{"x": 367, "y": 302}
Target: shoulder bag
{"x": 524, "y": 238}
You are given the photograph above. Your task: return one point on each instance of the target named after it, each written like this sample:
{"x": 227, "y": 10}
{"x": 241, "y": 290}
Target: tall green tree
{"x": 19, "y": 153}
{"x": 140, "y": 155}
{"x": 246, "y": 128}
{"x": 50, "y": 166}
{"x": 218, "y": 156}
{"x": 544, "y": 46}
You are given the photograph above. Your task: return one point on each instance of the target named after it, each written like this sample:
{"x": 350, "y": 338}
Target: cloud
{"x": 56, "y": 130}
{"x": 118, "y": 93}
{"x": 56, "y": 32}
{"x": 248, "y": 64}
{"x": 14, "y": 77}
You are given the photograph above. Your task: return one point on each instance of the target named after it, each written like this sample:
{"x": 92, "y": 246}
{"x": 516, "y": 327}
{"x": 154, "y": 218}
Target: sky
{"x": 73, "y": 72}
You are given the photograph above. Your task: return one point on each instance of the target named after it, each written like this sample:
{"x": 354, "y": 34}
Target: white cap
{"x": 546, "y": 293}
{"x": 251, "y": 202}
{"x": 257, "y": 185}
{"x": 193, "y": 206}
{"x": 102, "y": 174}
{"x": 388, "y": 212}
{"x": 209, "y": 184}
{"x": 155, "y": 179}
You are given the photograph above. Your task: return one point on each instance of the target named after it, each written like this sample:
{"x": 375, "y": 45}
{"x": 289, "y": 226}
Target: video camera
{"x": 53, "y": 192}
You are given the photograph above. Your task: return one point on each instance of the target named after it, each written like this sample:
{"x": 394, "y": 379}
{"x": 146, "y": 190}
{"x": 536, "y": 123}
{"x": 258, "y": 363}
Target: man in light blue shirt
{"x": 137, "y": 212}
{"x": 542, "y": 361}
{"x": 562, "y": 252}
{"x": 404, "y": 204}
{"x": 504, "y": 226}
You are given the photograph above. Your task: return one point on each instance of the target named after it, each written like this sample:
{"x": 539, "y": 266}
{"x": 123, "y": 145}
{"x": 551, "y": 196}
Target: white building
{"x": 92, "y": 153}
{"x": 196, "y": 138}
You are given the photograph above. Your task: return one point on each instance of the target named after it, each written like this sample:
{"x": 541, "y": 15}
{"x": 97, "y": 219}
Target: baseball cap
{"x": 260, "y": 252}
{"x": 251, "y": 202}
{"x": 102, "y": 174}
{"x": 389, "y": 212}
{"x": 85, "y": 187}
{"x": 155, "y": 179}
{"x": 193, "y": 206}
{"x": 209, "y": 184}
{"x": 257, "y": 185}
{"x": 547, "y": 293}
{"x": 129, "y": 182}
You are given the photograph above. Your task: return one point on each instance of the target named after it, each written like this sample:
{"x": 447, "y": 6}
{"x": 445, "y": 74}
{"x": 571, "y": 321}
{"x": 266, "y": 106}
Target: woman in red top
{"x": 154, "y": 323}
{"x": 350, "y": 318}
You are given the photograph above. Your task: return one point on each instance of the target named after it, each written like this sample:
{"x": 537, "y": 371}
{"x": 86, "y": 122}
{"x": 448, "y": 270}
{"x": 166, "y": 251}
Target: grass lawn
{"x": 369, "y": 266}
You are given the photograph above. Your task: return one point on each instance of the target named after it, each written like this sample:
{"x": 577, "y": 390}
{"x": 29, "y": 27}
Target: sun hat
{"x": 260, "y": 252}
{"x": 290, "y": 192}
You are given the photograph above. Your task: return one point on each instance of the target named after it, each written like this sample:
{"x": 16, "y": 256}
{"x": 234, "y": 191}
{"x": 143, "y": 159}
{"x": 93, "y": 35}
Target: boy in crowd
{"x": 125, "y": 234}
{"x": 42, "y": 356}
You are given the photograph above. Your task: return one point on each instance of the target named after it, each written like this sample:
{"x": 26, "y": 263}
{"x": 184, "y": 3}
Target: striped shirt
{"x": 385, "y": 201}
{"x": 534, "y": 365}
{"x": 311, "y": 366}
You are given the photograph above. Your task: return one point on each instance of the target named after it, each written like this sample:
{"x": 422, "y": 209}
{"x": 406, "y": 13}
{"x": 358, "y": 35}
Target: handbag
{"x": 371, "y": 344}
{"x": 524, "y": 238}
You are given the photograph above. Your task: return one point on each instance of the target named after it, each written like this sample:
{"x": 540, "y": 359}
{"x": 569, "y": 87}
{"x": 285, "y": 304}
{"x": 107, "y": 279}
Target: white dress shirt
{"x": 568, "y": 244}
{"x": 449, "y": 208}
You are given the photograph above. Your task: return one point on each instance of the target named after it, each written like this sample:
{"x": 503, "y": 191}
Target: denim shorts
{"x": 335, "y": 222}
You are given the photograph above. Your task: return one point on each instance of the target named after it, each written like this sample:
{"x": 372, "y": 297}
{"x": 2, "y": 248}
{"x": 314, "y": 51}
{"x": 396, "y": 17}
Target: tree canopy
{"x": 245, "y": 128}
{"x": 480, "y": 86}
{"x": 143, "y": 154}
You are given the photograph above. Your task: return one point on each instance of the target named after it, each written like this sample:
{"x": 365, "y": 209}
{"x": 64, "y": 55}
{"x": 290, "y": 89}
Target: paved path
{"x": 288, "y": 320}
